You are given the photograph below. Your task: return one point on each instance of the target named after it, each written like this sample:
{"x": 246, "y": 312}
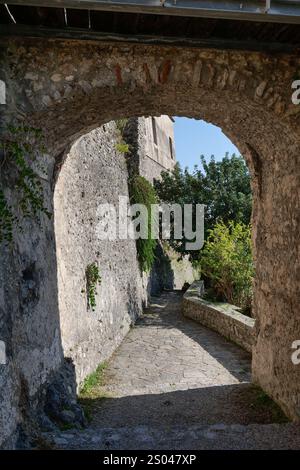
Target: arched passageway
{"x": 70, "y": 88}
{"x": 94, "y": 173}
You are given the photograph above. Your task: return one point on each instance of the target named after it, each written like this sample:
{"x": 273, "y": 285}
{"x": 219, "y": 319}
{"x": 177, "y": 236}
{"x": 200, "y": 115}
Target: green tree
{"x": 226, "y": 189}
{"x": 223, "y": 187}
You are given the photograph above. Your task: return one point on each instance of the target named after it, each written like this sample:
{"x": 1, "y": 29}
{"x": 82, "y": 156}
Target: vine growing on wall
{"x": 93, "y": 278}
{"x": 122, "y": 146}
{"x": 121, "y": 124}
{"x": 19, "y": 147}
{"x": 142, "y": 192}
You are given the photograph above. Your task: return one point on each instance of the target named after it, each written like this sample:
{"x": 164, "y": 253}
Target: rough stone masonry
{"x": 68, "y": 89}
{"x": 95, "y": 173}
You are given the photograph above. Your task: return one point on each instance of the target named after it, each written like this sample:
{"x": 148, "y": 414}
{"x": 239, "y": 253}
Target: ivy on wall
{"x": 122, "y": 146}
{"x": 19, "y": 147}
{"x": 142, "y": 192}
{"x": 7, "y": 220}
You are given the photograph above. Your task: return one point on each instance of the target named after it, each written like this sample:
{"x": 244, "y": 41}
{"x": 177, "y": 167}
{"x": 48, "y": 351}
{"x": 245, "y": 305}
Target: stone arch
{"x": 73, "y": 87}
{"x": 69, "y": 88}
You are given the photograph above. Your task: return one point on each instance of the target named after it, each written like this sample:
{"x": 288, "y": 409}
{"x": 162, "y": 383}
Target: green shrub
{"x": 226, "y": 260}
{"x": 142, "y": 192}
{"x": 223, "y": 187}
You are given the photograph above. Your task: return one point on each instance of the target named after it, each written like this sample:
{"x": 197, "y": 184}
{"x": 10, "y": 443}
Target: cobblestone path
{"x": 173, "y": 384}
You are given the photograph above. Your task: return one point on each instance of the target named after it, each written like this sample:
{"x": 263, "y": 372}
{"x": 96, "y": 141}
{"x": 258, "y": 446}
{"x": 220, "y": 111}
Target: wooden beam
{"x": 87, "y": 34}
{"x": 280, "y": 11}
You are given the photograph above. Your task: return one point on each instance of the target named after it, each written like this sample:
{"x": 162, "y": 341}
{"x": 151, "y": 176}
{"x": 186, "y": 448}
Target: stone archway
{"x": 69, "y": 88}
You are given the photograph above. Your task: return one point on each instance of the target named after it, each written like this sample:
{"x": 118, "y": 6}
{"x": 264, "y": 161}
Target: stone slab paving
{"x": 173, "y": 384}
{"x": 214, "y": 437}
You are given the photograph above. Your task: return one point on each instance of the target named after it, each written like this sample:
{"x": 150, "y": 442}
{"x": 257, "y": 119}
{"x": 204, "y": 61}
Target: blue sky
{"x": 194, "y": 138}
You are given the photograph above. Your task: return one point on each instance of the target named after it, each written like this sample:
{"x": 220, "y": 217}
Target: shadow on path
{"x": 227, "y": 404}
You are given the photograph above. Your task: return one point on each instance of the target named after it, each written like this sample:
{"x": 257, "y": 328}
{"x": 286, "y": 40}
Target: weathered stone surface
{"x": 223, "y": 318}
{"x": 196, "y": 437}
{"x": 60, "y": 405}
{"x": 134, "y": 80}
{"x": 94, "y": 173}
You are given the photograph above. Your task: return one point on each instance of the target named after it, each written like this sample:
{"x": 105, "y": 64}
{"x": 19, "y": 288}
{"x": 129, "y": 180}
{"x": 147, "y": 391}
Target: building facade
{"x": 152, "y": 145}
{"x": 159, "y": 146}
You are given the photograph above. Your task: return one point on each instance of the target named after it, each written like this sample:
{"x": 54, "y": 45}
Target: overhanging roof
{"x": 281, "y": 11}
{"x": 135, "y": 22}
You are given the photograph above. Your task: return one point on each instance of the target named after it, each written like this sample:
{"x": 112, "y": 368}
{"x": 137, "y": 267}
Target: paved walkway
{"x": 173, "y": 384}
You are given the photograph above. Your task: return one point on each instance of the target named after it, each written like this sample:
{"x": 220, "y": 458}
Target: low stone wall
{"x": 221, "y": 317}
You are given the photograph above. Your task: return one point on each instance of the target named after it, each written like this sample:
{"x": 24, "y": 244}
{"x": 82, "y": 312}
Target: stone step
{"x": 202, "y": 437}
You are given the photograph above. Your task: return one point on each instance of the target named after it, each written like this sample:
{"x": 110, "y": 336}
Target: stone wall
{"x": 170, "y": 271}
{"x": 94, "y": 173}
{"x": 29, "y": 316}
{"x": 224, "y": 318}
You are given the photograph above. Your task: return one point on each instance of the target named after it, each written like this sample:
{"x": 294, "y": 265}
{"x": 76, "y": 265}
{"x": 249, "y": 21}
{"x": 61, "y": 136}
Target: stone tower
{"x": 152, "y": 145}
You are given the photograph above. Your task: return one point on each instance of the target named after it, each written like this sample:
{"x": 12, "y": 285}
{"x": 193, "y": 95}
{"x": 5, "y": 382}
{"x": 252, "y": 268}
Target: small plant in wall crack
{"x": 92, "y": 390}
{"x": 93, "y": 278}
{"x": 122, "y": 146}
{"x": 121, "y": 124}
{"x": 19, "y": 147}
